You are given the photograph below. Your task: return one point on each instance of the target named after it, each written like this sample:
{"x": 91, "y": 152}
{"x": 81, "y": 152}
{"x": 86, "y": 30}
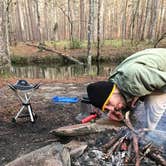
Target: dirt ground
{"x": 22, "y": 137}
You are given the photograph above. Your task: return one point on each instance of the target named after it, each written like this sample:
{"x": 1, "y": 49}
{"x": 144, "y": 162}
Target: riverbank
{"x": 25, "y": 53}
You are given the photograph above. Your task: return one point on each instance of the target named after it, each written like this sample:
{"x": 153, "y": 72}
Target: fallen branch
{"x": 82, "y": 129}
{"x": 57, "y": 52}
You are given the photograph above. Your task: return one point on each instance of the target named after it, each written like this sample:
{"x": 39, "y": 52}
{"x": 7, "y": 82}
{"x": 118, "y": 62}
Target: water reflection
{"x": 59, "y": 72}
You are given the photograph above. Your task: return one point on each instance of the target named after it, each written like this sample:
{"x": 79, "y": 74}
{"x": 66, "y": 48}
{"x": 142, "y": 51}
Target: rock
{"x": 50, "y": 155}
{"x": 76, "y": 148}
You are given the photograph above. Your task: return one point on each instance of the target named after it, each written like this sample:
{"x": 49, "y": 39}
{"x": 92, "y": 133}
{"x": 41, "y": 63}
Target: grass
{"x": 117, "y": 43}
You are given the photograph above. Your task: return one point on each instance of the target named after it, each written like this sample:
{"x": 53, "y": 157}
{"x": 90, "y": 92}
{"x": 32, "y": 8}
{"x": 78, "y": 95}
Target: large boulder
{"x": 51, "y": 155}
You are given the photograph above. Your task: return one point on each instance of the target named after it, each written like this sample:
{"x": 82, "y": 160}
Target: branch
{"x": 161, "y": 38}
{"x": 58, "y": 53}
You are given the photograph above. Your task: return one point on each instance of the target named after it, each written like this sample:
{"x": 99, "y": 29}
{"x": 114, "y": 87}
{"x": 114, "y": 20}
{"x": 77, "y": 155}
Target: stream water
{"x": 59, "y": 72}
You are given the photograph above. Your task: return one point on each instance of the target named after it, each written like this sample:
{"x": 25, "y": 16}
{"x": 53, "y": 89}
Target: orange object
{"x": 89, "y": 118}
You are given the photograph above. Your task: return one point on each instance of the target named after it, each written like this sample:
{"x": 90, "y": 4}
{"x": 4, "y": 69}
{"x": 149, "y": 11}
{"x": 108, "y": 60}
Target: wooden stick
{"x": 112, "y": 141}
{"x": 135, "y": 138}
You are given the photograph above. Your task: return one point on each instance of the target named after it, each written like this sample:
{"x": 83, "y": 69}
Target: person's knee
{"x": 155, "y": 107}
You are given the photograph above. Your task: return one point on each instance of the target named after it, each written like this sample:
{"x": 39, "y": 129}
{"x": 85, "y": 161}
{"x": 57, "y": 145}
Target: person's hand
{"x": 115, "y": 115}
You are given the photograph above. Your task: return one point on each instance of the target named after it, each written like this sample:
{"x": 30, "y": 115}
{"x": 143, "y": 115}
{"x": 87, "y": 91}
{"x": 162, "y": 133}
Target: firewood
{"x": 113, "y": 148}
{"x": 113, "y": 140}
{"x": 157, "y": 158}
{"x": 153, "y": 153}
{"x": 136, "y": 149}
{"x": 81, "y": 129}
{"x": 135, "y": 138}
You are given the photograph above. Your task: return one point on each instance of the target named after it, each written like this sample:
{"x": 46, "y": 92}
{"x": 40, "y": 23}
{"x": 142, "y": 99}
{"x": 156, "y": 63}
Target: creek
{"x": 60, "y": 72}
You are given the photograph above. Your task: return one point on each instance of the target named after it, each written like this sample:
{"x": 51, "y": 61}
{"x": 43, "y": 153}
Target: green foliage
{"x": 66, "y": 44}
{"x": 116, "y": 43}
{"x": 75, "y": 44}
{"x": 19, "y": 60}
{"x": 58, "y": 44}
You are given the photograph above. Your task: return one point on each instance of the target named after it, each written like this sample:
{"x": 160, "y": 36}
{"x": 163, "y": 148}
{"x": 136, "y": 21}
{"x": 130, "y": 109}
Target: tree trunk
{"x": 134, "y": 14}
{"x": 89, "y": 56}
{"x": 98, "y": 32}
{"x": 81, "y": 20}
{"x": 154, "y": 20}
{"x": 5, "y": 62}
{"x": 145, "y": 21}
{"x": 160, "y": 18}
{"x": 39, "y": 22}
{"x": 124, "y": 21}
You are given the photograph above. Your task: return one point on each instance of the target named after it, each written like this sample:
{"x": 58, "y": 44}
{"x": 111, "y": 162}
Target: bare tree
{"x": 82, "y": 22}
{"x": 40, "y": 30}
{"x": 145, "y": 21}
{"x": 98, "y": 36}
{"x": 42, "y": 20}
{"x": 98, "y": 30}
{"x": 89, "y": 54}
{"x": 67, "y": 14}
{"x": 5, "y": 62}
{"x": 163, "y": 36}
{"x": 134, "y": 15}
{"x": 124, "y": 21}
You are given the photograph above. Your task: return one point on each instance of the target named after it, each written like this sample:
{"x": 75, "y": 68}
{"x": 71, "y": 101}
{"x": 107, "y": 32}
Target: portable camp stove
{"x": 24, "y": 91}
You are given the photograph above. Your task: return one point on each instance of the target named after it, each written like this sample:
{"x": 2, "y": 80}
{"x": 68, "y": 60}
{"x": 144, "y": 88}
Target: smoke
{"x": 138, "y": 118}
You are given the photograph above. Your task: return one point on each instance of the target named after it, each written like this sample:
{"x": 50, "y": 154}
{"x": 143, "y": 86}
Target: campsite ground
{"x": 22, "y": 137}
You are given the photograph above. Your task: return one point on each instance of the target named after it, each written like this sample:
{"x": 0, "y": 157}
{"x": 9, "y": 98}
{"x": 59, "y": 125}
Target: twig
{"x": 135, "y": 138}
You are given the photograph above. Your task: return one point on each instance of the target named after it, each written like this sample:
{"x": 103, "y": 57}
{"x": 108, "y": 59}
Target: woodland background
{"x": 90, "y": 21}
{"x": 63, "y": 20}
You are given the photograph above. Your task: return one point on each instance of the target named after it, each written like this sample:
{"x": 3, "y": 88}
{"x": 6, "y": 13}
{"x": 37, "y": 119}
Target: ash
{"x": 95, "y": 156}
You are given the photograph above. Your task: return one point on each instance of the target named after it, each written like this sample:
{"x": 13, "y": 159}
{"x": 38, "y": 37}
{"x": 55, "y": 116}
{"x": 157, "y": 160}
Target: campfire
{"x": 97, "y": 144}
{"x": 126, "y": 147}
{"x": 115, "y": 146}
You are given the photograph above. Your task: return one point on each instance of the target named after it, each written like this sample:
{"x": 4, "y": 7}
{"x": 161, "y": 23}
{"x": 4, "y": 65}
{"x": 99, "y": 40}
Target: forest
{"x": 35, "y": 20}
{"x": 76, "y": 21}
